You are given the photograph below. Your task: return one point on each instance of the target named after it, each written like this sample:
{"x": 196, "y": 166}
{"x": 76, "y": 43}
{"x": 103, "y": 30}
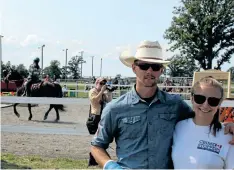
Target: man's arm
{"x": 100, "y": 155}
{"x": 104, "y": 136}
{"x": 185, "y": 111}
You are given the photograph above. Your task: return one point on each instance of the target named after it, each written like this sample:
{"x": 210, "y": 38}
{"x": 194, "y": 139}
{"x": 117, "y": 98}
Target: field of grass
{"x": 11, "y": 161}
{"x": 73, "y": 86}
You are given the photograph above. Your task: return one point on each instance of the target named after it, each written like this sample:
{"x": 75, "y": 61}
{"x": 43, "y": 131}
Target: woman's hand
{"x": 229, "y": 129}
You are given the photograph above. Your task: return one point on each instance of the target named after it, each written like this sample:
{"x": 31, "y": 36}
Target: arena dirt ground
{"x": 48, "y": 145}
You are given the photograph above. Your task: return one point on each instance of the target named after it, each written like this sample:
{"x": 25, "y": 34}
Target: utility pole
{"x": 101, "y": 68}
{"x": 92, "y": 65}
{"x": 1, "y": 49}
{"x": 42, "y": 55}
{"x": 65, "y": 63}
{"x": 81, "y": 69}
{"x": 65, "y": 57}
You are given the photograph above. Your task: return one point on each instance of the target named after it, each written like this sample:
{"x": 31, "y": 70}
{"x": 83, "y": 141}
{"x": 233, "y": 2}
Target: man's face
{"x": 100, "y": 85}
{"x": 147, "y": 73}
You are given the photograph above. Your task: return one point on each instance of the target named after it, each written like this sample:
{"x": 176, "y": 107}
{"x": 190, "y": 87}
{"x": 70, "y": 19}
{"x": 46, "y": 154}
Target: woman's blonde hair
{"x": 210, "y": 81}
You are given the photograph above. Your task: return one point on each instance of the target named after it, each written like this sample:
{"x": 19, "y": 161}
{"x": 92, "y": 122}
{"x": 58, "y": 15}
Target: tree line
{"x": 71, "y": 71}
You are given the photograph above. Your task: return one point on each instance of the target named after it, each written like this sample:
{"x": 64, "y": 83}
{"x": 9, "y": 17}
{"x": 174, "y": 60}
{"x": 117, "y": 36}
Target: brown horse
{"x": 40, "y": 89}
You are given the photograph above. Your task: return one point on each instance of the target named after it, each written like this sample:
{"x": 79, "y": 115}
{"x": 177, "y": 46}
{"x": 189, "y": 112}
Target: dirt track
{"x": 48, "y": 145}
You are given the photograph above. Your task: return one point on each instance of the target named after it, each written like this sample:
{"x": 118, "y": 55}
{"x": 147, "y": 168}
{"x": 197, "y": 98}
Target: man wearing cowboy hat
{"x": 142, "y": 121}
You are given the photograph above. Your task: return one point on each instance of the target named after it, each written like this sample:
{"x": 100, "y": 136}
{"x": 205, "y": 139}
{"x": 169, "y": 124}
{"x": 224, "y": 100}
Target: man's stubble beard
{"x": 152, "y": 85}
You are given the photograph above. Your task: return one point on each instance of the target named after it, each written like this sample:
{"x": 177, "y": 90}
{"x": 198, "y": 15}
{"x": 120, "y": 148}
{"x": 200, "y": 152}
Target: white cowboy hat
{"x": 149, "y": 51}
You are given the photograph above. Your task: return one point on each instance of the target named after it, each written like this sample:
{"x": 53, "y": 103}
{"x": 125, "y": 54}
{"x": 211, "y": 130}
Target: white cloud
{"x": 78, "y": 52}
{"x": 58, "y": 42}
{"x": 77, "y": 42}
{"x": 32, "y": 39}
{"x": 10, "y": 40}
{"x": 109, "y": 55}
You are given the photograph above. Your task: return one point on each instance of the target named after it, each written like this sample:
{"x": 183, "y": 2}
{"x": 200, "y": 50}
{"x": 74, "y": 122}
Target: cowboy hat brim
{"x": 129, "y": 60}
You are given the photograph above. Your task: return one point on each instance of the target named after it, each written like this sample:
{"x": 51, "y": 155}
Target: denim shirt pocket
{"x": 130, "y": 126}
{"x": 168, "y": 121}
{"x": 131, "y": 120}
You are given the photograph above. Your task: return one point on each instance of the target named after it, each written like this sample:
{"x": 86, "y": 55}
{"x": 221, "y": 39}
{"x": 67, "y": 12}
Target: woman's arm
{"x": 108, "y": 96}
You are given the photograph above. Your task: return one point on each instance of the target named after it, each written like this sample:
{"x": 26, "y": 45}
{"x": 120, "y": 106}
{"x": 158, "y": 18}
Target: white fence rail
{"x": 44, "y": 100}
{"x": 67, "y": 101}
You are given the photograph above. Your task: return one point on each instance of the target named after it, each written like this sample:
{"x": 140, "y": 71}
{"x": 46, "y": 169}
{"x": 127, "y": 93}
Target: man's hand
{"x": 229, "y": 128}
{"x": 112, "y": 165}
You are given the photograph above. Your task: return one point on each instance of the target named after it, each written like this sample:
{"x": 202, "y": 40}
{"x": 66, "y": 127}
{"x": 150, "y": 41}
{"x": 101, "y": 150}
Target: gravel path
{"x": 47, "y": 145}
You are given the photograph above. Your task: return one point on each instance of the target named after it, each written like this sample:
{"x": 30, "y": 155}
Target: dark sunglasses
{"x": 102, "y": 83}
{"x": 212, "y": 101}
{"x": 146, "y": 66}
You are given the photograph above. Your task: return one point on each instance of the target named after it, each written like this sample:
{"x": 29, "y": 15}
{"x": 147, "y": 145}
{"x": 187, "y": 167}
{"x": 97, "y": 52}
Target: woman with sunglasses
{"x": 199, "y": 142}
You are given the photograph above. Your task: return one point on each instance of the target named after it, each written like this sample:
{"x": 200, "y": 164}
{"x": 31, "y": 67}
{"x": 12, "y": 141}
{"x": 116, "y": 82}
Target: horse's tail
{"x": 61, "y": 107}
{"x": 60, "y": 95}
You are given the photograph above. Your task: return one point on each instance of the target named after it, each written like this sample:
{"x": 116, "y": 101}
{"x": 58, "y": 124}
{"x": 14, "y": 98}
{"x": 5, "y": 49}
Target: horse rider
{"x": 34, "y": 75}
{"x": 47, "y": 78}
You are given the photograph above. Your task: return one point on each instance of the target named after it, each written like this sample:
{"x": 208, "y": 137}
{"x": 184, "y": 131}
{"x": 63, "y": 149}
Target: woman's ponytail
{"x": 215, "y": 123}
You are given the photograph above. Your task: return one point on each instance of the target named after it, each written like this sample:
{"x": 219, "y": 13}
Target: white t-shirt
{"x": 195, "y": 148}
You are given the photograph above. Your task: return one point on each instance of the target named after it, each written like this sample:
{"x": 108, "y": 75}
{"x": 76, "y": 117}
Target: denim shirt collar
{"x": 136, "y": 98}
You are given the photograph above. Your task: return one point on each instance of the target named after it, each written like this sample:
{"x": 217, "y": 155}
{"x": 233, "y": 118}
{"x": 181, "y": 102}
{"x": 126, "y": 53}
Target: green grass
{"x": 11, "y": 161}
{"x": 74, "y": 87}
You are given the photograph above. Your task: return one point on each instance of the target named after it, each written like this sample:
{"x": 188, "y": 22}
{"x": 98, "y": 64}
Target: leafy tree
{"x": 9, "y": 66}
{"x": 182, "y": 67}
{"x": 203, "y": 30}
{"x": 231, "y": 69}
{"x": 73, "y": 66}
{"x": 64, "y": 72}
{"x": 53, "y": 69}
{"x": 22, "y": 70}
{"x": 46, "y": 71}
{"x": 3, "y": 67}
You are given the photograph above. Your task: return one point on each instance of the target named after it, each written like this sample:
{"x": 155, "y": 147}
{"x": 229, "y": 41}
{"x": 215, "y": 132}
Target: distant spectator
{"x": 109, "y": 82}
{"x": 115, "y": 81}
{"x": 93, "y": 80}
{"x": 47, "y": 78}
{"x": 65, "y": 92}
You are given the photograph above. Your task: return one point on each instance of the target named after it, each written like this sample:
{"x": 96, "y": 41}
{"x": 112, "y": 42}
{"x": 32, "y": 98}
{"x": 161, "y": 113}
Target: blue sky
{"x": 101, "y": 28}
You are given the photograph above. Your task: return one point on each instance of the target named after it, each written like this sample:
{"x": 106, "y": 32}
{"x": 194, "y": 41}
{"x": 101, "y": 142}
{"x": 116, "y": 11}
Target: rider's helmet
{"x": 36, "y": 60}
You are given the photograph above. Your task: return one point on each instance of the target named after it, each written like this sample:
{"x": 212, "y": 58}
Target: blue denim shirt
{"x": 143, "y": 132}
